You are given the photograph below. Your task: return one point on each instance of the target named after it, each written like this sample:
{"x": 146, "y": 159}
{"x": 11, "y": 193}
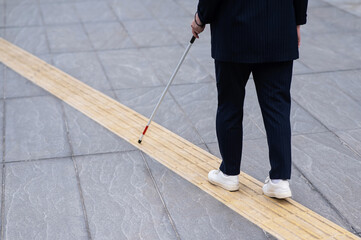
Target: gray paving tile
{"x": 110, "y": 35}
{"x": 1, "y": 191}
{"x": 317, "y": 25}
{"x": 317, "y": 3}
{"x": 42, "y": 201}
{"x": 128, "y": 69}
{"x": 94, "y": 11}
{"x": 18, "y": 86}
{"x": 17, "y": 2}
{"x": 83, "y": 66}
{"x": 1, "y": 132}
{"x": 331, "y": 12}
{"x": 70, "y": 38}
{"x": 2, "y": 13}
{"x": 348, "y": 82}
{"x": 301, "y": 120}
{"x": 331, "y": 52}
{"x": 34, "y": 129}
{"x": 300, "y": 68}
{"x": 202, "y": 53}
{"x": 2, "y": 79}
{"x": 336, "y": 3}
{"x": 189, "y": 5}
{"x": 169, "y": 115}
{"x": 255, "y": 162}
{"x": 120, "y": 198}
{"x": 166, "y": 9}
{"x": 88, "y": 137}
{"x": 148, "y": 33}
{"x": 347, "y": 43}
{"x": 333, "y": 169}
{"x": 23, "y": 15}
{"x": 330, "y": 20}
{"x": 319, "y": 96}
{"x": 196, "y": 214}
{"x": 53, "y": 1}
{"x": 165, "y": 59}
{"x": 32, "y": 39}
{"x": 130, "y": 10}
{"x": 199, "y": 101}
{"x": 181, "y": 29}
{"x": 59, "y": 13}
{"x": 353, "y": 8}
{"x": 352, "y": 139}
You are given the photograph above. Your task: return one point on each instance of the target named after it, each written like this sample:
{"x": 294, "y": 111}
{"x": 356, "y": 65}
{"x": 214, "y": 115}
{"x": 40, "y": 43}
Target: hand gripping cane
{"x": 167, "y": 87}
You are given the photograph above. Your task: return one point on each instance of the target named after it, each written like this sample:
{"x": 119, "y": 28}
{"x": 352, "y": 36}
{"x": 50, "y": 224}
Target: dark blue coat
{"x": 253, "y": 31}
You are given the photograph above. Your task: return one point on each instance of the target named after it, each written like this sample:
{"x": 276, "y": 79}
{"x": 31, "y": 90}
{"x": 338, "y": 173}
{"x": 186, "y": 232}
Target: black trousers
{"x": 273, "y": 82}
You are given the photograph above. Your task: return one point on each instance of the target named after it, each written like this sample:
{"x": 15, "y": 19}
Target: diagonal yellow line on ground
{"x": 285, "y": 219}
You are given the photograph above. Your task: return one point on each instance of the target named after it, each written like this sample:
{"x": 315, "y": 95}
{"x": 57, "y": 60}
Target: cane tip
{"x": 139, "y": 141}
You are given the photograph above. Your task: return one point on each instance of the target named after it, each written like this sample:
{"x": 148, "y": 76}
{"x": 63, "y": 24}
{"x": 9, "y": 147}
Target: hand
{"x": 195, "y": 28}
{"x": 299, "y": 35}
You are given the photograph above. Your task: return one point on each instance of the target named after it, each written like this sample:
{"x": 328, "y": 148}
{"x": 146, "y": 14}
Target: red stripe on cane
{"x": 145, "y": 129}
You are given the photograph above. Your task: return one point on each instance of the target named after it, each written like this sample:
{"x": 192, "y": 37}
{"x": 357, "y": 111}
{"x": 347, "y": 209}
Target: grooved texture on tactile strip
{"x": 285, "y": 219}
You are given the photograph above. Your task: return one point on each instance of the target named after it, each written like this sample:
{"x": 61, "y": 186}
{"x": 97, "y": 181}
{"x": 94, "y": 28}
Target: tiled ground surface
{"x": 66, "y": 177}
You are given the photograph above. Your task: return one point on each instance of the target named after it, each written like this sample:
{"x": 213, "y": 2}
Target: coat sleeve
{"x": 207, "y": 9}
{"x": 300, "y": 7}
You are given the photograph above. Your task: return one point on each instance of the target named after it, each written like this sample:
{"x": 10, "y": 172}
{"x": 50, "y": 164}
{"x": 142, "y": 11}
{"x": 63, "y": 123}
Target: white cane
{"x": 167, "y": 87}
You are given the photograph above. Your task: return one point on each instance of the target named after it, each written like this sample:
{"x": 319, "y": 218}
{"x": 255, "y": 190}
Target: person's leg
{"x": 231, "y": 82}
{"x": 273, "y": 82}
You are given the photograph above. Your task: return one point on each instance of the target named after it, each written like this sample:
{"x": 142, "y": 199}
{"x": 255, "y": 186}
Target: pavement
{"x": 66, "y": 177}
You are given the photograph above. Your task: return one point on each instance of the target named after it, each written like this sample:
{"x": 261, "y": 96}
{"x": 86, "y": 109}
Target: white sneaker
{"x": 217, "y": 177}
{"x": 279, "y": 190}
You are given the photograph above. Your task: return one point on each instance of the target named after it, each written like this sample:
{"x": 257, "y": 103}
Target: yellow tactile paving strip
{"x": 285, "y": 219}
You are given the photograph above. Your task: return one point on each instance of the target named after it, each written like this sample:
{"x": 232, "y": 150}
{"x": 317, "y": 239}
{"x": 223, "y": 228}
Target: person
{"x": 261, "y": 37}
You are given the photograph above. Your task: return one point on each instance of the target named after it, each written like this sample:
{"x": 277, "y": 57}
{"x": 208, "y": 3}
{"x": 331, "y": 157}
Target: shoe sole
{"x": 231, "y": 189}
{"x": 278, "y": 195}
